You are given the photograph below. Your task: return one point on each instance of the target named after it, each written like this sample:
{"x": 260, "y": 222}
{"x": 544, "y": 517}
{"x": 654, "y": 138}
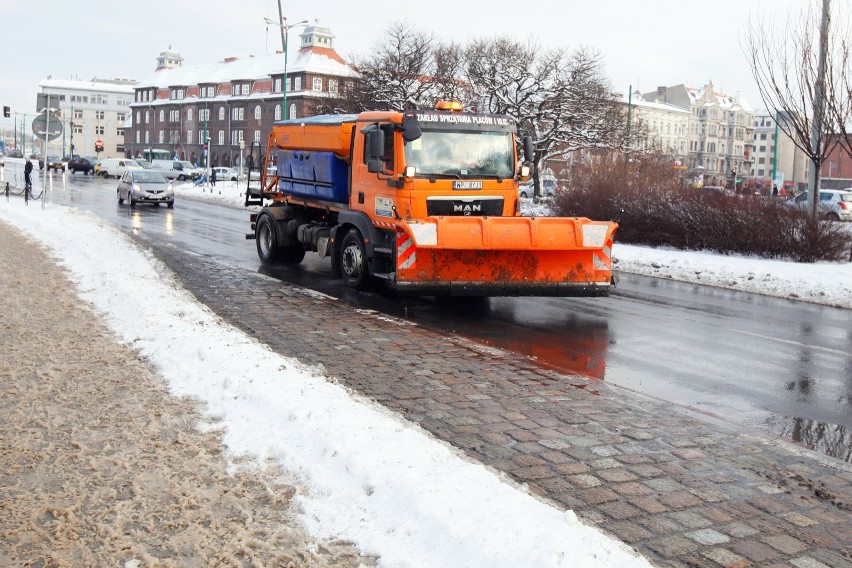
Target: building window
{"x": 138, "y": 136}
{"x": 317, "y": 84}
{"x": 162, "y": 136}
{"x": 277, "y": 86}
{"x": 119, "y": 132}
{"x": 235, "y": 89}
{"x": 297, "y": 83}
{"x": 147, "y": 138}
{"x": 99, "y": 130}
{"x": 257, "y": 112}
{"x": 221, "y": 138}
{"x": 292, "y": 111}
{"x": 332, "y": 86}
{"x": 238, "y": 113}
{"x": 236, "y": 136}
{"x": 162, "y": 116}
{"x": 189, "y": 136}
{"x": 78, "y": 129}
{"x": 257, "y": 135}
{"x": 277, "y": 112}
{"x": 189, "y": 114}
{"x": 221, "y": 113}
{"x": 245, "y": 89}
{"x": 99, "y": 115}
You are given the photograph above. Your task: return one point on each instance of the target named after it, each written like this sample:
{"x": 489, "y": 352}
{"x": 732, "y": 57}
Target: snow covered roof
{"x": 318, "y": 60}
{"x": 118, "y": 86}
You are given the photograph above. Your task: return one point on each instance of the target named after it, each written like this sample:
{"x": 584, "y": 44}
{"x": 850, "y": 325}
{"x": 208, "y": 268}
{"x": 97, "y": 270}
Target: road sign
{"x": 47, "y": 126}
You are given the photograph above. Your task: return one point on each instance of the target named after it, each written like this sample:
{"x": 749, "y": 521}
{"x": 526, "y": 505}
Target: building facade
{"x": 89, "y": 111}
{"x": 658, "y": 126}
{"x": 721, "y": 131}
{"x": 218, "y": 114}
{"x": 775, "y": 154}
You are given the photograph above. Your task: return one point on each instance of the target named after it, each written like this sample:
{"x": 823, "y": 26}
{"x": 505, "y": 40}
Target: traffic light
{"x": 7, "y": 112}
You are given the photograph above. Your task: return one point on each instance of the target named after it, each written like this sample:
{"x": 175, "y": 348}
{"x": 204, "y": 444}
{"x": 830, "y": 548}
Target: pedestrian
{"x": 28, "y": 171}
{"x": 774, "y": 190}
{"x": 213, "y": 177}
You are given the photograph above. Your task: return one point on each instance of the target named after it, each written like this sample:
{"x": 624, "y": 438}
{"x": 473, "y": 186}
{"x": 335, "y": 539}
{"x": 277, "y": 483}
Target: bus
{"x": 152, "y": 154}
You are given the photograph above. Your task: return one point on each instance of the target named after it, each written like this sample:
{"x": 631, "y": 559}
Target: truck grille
{"x": 492, "y": 207}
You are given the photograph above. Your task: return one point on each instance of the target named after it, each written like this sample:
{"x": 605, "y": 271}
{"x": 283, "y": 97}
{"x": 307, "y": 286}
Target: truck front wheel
{"x": 267, "y": 239}
{"x": 353, "y": 260}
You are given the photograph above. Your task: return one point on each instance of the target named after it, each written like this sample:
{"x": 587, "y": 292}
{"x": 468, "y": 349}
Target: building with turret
{"x": 226, "y": 109}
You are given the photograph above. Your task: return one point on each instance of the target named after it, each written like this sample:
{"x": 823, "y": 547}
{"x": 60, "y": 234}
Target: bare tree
{"x": 796, "y": 72}
{"x": 559, "y": 98}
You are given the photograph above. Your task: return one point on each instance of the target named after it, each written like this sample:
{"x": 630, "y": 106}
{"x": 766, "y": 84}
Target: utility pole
{"x": 819, "y": 108}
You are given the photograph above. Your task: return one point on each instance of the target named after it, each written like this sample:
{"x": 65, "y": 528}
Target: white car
{"x": 834, "y": 204}
{"x": 226, "y": 174}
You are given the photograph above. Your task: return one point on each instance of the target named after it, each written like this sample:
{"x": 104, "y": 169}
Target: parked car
{"x": 16, "y": 154}
{"x": 834, "y": 204}
{"x": 145, "y": 186}
{"x": 226, "y": 174}
{"x": 548, "y": 187}
{"x": 116, "y": 167}
{"x": 80, "y": 164}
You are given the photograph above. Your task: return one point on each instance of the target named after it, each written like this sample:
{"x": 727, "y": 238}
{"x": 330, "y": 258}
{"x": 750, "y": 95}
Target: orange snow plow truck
{"x": 425, "y": 200}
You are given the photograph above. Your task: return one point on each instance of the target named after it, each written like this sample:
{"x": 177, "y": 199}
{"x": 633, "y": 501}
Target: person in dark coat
{"x": 213, "y": 177}
{"x": 28, "y": 172}
{"x": 774, "y": 190}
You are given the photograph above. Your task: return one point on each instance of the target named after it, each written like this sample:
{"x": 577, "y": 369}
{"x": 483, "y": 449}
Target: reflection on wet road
{"x": 756, "y": 361}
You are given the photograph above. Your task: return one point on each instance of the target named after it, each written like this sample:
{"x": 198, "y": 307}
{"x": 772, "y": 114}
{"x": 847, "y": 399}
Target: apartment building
{"x": 219, "y": 110}
{"x": 721, "y": 130}
{"x": 89, "y": 111}
{"x": 658, "y": 126}
{"x": 776, "y": 154}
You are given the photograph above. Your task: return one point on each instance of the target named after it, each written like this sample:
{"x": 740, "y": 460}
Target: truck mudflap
{"x": 504, "y": 256}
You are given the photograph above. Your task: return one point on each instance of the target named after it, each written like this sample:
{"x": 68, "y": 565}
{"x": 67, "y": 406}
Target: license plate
{"x": 467, "y": 185}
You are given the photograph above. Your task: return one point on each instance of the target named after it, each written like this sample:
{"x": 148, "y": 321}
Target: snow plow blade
{"x": 504, "y": 256}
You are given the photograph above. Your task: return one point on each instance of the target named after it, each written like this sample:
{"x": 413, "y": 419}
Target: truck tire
{"x": 266, "y": 237}
{"x": 353, "y": 260}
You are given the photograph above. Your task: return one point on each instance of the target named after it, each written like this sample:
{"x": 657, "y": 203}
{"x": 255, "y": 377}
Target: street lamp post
{"x": 285, "y": 27}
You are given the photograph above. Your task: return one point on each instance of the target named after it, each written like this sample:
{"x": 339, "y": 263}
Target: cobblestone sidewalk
{"x": 683, "y": 491}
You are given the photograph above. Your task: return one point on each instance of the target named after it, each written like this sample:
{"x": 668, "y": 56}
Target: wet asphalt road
{"x": 760, "y": 362}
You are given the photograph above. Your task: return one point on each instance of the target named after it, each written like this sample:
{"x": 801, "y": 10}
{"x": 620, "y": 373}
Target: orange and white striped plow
{"x": 505, "y": 256}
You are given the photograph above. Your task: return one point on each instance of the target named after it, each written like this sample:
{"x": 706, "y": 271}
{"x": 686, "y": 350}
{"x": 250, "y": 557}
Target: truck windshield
{"x": 461, "y": 154}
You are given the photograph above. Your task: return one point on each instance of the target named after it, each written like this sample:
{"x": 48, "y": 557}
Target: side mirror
{"x": 528, "y": 148}
{"x": 375, "y": 166}
{"x": 410, "y": 129}
{"x": 375, "y": 144}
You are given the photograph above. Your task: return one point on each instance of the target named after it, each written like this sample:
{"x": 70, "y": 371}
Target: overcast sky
{"x": 644, "y": 44}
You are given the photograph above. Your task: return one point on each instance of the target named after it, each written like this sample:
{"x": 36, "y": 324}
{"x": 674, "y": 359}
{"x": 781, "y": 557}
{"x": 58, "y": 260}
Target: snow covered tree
{"x": 560, "y": 98}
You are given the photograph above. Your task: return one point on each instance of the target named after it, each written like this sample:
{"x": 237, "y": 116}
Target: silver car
{"x": 834, "y": 204}
{"x": 145, "y": 186}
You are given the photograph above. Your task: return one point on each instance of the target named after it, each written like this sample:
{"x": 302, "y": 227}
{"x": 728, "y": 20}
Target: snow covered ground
{"x": 372, "y": 478}
{"x": 821, "y": 283}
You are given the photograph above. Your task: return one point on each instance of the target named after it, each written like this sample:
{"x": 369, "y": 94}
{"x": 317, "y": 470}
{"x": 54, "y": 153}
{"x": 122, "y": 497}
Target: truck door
{"x": 375, "y": 192}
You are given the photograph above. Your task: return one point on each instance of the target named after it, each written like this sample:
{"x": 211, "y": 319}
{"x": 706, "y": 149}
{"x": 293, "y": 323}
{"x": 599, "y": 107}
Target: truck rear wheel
{"x": 353, "y": 260}
{"x": 267, "y": 239}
